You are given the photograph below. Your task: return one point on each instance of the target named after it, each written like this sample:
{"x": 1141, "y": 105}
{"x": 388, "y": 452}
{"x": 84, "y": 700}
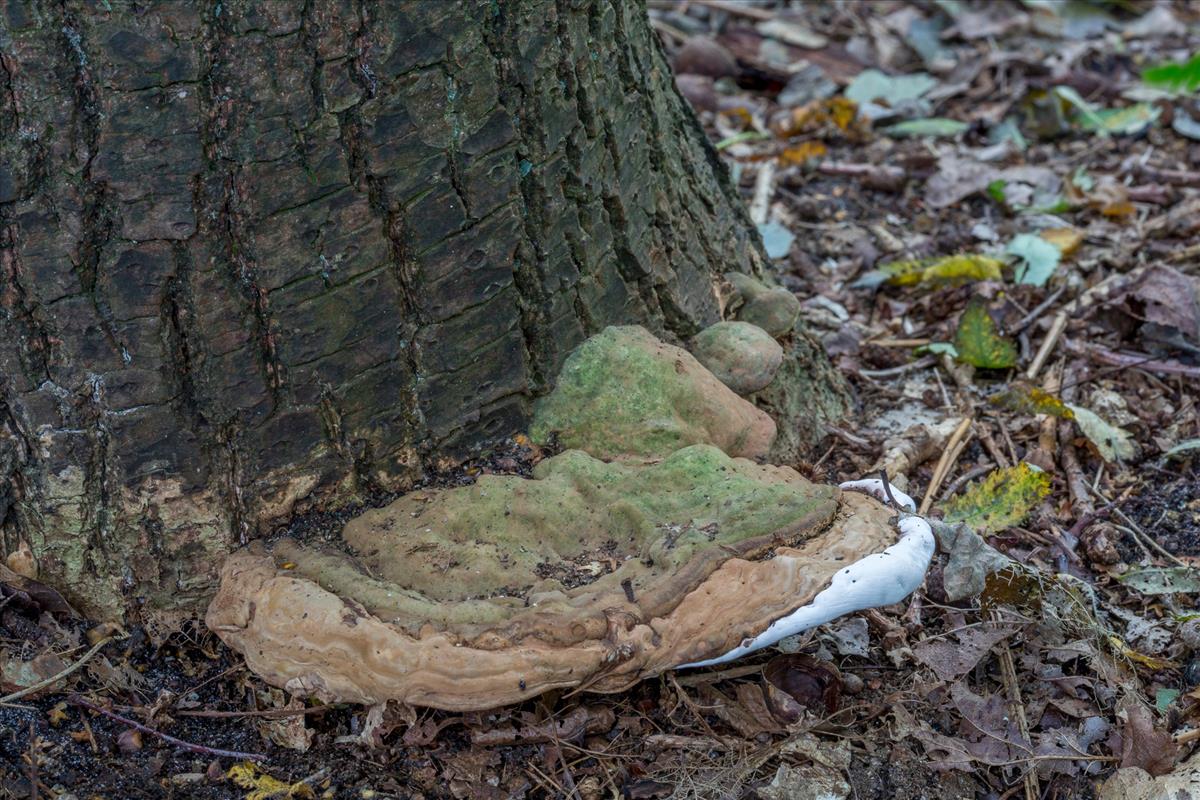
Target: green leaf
{"x": 1087, "y": 112}
{"x": 1186, "y": 446}
{"x": 1010, "y": 131}
{"x": 998, "y": 191}
{"x": 1003, "y": 499}
{"x": 871, "y": 84}
{"x": 937, "y": 349}
{"x": 1113, "y": 443}
{"x": 1038, "y": 258}
{"x": 1163, "y": 699}
{"x": 979, "y": 343}
{"x": 934, "y": 126}
{"x": 1121, "y": 121}
{"x": 1176, "y": 76}
{"x": 744, "y": 136}
{"x": 1163, "y": 580}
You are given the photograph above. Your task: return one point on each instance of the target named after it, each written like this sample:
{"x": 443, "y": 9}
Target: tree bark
{"x": 259, "y": 256}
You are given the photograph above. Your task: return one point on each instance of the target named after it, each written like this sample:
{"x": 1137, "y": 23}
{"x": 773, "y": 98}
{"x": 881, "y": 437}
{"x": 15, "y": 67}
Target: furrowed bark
{"x": 260, "y": 256}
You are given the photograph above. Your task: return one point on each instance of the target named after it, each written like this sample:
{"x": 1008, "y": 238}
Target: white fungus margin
{"x": 880, "y": 579}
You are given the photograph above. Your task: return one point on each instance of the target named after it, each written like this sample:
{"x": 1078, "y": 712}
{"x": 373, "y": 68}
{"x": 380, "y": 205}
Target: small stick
{"x": 891, "y": 372}
{"x": 730, "y": 7}
{"x": 887, "y": 489}
{"x": 1137, "y": 529}
{"x": 824, "y": 456}
{"x": 53, "y": 679}
{"x": 1056, "y": 330}
{"x": 764, "y": 187}
{"x": 33, "y": 762}
{"x": 1186, "y": 254}
{"x": 268, "y": 713}
{"x": 194, "y": 748}
{"x": 989, "y": 444}
{"x": 962, "y": 480}
{"x": 1038, "y": 310}
{"x": 1008, "y": 672}
{"x": 953, "y": 447}
{"x": 1187, "y": 736}
{"x": 721, "y": 675}
{"x": 1148, "y": 363}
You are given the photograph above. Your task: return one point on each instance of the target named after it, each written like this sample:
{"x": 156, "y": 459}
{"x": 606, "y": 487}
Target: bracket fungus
{"x": 590, "y": 574}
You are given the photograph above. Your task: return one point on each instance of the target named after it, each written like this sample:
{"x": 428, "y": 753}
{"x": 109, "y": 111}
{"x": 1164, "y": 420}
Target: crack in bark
{"x": 529, "y": 265}
{"x": 98, "y": 222}
{"x": 230, "y": 228}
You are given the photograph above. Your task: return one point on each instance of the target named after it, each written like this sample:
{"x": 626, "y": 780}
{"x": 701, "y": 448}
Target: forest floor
{"x": 993, "y": 222}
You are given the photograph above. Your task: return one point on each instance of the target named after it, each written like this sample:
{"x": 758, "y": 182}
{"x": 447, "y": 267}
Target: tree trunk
{"x": 260, "y": 255}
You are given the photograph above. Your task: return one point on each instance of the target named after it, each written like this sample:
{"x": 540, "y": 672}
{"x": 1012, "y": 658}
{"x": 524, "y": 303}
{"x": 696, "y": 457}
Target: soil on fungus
{"x": 1054, "y": 679}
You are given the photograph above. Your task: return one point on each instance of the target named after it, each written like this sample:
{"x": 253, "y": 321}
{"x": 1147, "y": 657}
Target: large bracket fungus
{"x": 590, "y": 574}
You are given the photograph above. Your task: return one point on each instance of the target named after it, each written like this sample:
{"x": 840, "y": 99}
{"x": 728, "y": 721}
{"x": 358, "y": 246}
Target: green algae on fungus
{"x": 481, "y": 540}
{"x": 625, "y": 393}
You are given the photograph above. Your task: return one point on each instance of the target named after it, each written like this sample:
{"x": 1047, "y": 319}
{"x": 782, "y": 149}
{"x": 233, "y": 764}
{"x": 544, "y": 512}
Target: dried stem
{"x": 53, "y": 679}
{"x": 194, "y": 748}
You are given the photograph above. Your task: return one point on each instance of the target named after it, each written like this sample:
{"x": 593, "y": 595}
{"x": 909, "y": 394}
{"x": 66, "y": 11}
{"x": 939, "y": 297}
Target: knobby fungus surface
{"x": 589, "y": 574}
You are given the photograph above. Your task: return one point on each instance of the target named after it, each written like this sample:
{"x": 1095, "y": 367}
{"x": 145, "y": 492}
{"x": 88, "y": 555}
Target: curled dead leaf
{"x": 796, "y": 683}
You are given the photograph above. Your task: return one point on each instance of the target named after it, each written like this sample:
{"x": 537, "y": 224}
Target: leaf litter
{"x": 1053, "y": 658}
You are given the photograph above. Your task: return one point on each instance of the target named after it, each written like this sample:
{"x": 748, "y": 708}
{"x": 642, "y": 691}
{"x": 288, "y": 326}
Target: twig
{"x": 1148, "y": 363}
{"x": 700, "y": 678}
{"x": 953, "y": 448}
{"x": 1008, "y": 672}
{"x": 568, "y": 778}
{"x": 1137, "y": 529}
{"x": 216, "y": 677}
{"x": 887, "y": 489}
{"x": 989, "y": 444}
{"x": 740, "y": 9}
{"x": 670, "y": 30}
{"x": 817, "y": 464}
{"x": 1052, "y": 336}
{"x": 764, "y": 186}
{"x": 664, "y": 741}
{"x": 1176, "y": 177}
{"x": 1187, "y": 736}
{"x": 33, "y": 761}
{"x": 1186, "y": 254}
{"x": 269, "y": 713}
{"x": 53, "y": 679}
{"x": 1038, "y": 310}
{"x": 920, "y": 363}
{"x": 848, "y": 437}
{"x": 962, "y": 480}
{"x": 874, "y": 176}
{"x": 194, "y": 748}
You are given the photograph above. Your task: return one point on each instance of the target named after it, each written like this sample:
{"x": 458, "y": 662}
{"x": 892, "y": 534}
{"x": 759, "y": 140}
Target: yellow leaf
{"x": 265, "y": 787}
{"x": 57, "y": 715}
{"x": 1031, "y": 400}
{"x": 979, "y": 343}
{"x": 803, "y": 153}
{"x": 956, "y": 269}
{"x": 842, "y": 111}
{"x": 1122, "y": 649}
{"x": 831, "y": 116}
{"x": 1003, "y": 499}
{"x": 1067, "y": 240}
{"x": 1119, "y": 208}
